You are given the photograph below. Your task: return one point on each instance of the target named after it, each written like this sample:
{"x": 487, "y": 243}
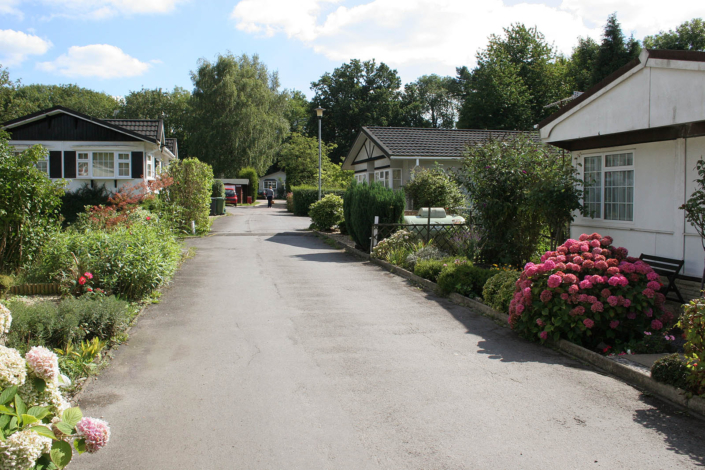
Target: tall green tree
{"x": 238, "y": 114}
{"x": 517, "y": 75}
{"x": 582, "y": 62}
{"x": 689, "y": 36}
{"x": 430, "y": 102}
{"x": 614, "y": 52}
{"x": 173, "y": 107}
{"x": 299, "y": 159}
{"x": 356, "y": 94}
{"x": 297, "y": 111}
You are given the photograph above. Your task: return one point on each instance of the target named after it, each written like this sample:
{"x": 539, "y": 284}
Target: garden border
{"x": 667, "y": 393}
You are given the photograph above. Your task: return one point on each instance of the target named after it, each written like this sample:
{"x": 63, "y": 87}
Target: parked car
{"x": 230, "y": 194}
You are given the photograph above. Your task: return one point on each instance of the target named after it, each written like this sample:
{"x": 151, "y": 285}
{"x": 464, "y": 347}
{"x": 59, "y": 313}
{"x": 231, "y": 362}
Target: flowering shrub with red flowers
{"x": 588, "y": 292}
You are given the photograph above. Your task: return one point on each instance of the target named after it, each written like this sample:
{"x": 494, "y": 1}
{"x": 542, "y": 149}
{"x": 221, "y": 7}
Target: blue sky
{"x": 121, "y": 45}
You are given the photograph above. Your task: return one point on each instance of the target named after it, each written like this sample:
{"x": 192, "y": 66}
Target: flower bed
{"x": 588, "y": 292}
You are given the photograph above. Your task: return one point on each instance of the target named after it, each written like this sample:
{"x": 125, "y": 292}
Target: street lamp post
{"x": 319, "y": 113}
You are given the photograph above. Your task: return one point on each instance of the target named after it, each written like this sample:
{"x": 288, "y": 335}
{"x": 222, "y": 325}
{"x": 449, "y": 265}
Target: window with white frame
{"x": 382, "y": 176}
{"x": 83, "y": 165}
{"x": 150, "y": 163}
{"x": 361, "y": 177}
{"x": 123, "y": 164}
{"x": 270, "y": 184}
{"x": 103, "y": 164}
{"x": 43, "y": 165}
{"x": 609, "y": 186}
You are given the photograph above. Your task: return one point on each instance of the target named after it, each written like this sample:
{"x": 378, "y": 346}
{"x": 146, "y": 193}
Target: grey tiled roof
{"x": 430, "y": 142}
{"x": 172, "y": 146}
{"x": 151, "y": 128}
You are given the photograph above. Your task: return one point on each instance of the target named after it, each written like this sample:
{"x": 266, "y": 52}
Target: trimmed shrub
{"x": 127, "y": 261}
{"x": 671, "y": 370}
{"x": 430, "y": 269}
{"x": 363, "y": 202}
{"x": 74, "y": 203}
{"x": 305, "y": 196}
{"x": 588, "y": 292}
{"x": 434, "y": 187}
{"x": 191, "y": 190}
{"x": 5, "y": 283}
{"x": 499, "y": 290}
{"x": 290, "y": 202}
{"x": 327, "y": 213}
{"x": 464, "y": 278}
{"x": 217, "y": 189}
{"x": 425, "y": 253}
{"x": 71, "y": 321}
{"x": 250, "y": 174}
{"x": 693, "y": 324}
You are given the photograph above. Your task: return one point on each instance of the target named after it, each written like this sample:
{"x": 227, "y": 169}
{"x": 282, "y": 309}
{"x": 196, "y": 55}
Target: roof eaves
{"x": 377, "y": 141}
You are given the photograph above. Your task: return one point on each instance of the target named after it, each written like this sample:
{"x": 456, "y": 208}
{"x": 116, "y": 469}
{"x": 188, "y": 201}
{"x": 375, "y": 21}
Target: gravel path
{"x": 271, "y": 350}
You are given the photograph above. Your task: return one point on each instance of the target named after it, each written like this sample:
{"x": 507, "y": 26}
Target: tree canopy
{"x": 689, "y": 36}
{"x": 430, "y": 102}
{"x": 299, "y": 159}
{"x": 356, "y": 94}
{"x": 238, "y": 114}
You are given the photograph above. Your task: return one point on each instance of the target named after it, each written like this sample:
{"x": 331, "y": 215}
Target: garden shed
{"x": 636, "y": 138}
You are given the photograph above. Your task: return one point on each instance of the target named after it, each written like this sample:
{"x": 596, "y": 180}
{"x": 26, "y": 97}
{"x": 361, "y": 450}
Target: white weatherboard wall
{"x": 663, "y": 180}
{"x": 83, "y": 146}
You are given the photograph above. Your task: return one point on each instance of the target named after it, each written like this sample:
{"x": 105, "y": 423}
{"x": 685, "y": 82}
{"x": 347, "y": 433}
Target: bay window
{"x": 123, "y": 164}
{"x": 609, "y": 186}
{"x": 43, "y": 166}
{"x": 150, "y": 163}
{"x": 83, "y": 169}
{"x": 101, "y": 164}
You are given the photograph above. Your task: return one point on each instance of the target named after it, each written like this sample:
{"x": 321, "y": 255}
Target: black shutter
{"x": 55, "y": 164}
{"x": 69, "y": 164}
{"x": 137, "y": 164}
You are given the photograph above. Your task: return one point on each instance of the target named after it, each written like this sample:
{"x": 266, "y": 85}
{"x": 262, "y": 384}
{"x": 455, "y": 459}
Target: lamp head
{"x": 319, "y": 112}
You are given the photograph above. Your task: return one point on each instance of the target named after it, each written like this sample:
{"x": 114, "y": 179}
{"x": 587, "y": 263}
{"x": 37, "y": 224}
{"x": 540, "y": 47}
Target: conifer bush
{"x": 363, "y": 202}
{"x": 588, "y": 292}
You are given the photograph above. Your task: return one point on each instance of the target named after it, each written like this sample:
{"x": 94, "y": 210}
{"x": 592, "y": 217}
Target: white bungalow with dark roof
{"x": 636, "y": 138}
{"x": 389, "y": 154}
{"x": 83, "y": 149}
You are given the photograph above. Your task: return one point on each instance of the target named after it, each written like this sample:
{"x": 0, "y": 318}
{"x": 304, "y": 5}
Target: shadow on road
{"x": 671, "y": 425}
{"x": 335, "y": 257}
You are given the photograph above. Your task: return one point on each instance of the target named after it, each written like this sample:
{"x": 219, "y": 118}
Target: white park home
{"x": 389, "y": 154}
{"x": 83, "y": 149}
{"x": 636, "y": 137}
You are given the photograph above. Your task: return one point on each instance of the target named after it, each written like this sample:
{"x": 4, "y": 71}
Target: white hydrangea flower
{"x": 50, "y": 396}
{"x": 22, "y": 449}
{"x": 13, "y": 368}
{"x": 5, "y": 320}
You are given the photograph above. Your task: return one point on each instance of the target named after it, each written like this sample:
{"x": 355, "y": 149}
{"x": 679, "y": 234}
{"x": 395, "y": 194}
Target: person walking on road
{"x": 269, "y": 194}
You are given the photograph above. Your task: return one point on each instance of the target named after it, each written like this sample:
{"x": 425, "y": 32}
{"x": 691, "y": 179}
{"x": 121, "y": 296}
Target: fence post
{"x": 428, "y": 226}
{"x": 373, "y": 238}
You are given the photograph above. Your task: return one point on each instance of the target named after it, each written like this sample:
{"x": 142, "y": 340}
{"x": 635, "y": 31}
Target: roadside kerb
{"x": 695, "y": 405}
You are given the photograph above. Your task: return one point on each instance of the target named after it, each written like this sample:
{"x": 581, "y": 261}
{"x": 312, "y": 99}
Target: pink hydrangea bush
{"x": 588, "y": 292}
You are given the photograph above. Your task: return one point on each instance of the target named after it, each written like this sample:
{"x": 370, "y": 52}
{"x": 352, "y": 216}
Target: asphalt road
{"x": 271, "y": 350}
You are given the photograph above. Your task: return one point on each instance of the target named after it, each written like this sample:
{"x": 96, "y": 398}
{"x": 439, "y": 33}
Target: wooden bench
{"x": 669, "y": 268}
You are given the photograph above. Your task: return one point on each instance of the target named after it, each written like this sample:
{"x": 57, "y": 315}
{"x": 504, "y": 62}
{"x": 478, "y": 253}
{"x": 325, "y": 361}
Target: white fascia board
{"x": 411, "y": 157}
{"x": 359, "y": 142}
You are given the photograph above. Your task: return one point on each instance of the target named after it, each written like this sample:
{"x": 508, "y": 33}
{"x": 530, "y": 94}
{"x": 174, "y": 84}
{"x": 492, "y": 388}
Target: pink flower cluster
{"x": 96, "y": 432}
{"x": 43, "y": 363}
{"x": 587, "y": 277}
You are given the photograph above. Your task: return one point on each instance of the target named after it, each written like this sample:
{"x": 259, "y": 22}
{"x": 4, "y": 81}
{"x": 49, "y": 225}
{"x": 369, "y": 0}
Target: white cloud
{"x": 95, "y": 60}
{"x": 101, "y": 9}
{"x": 8, "y": 7}
{"x": 15, "y": 46}
{"x": 438, "y": 35}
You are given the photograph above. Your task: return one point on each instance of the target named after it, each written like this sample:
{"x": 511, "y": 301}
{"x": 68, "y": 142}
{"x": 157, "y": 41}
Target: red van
{"x": 230, "y": 194}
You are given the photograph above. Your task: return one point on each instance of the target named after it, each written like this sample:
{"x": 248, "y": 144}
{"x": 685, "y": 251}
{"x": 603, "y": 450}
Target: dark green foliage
{"x": 304, "y": 196}
{"x": 250, "y": 174}
{"x": 517, "y": 75}
{"x": 218, "y": 189}
{"x": 355, "y": 94}
{"x": 430, "y": 269}
{"x": 465, "y": 279}
{"x": 581, "y": 64}
{"x": 73, "y": 203}
{"x": 499, "y": 290}
{"x": 671, "y": 370}
{"x": 615, "y": 50}
{"x": 29, "y": 205}
{"x": 72, "y": 320}
{"x": 689, "y": 36}
{"x": 434, "y": 187}
{"x": 363, "y": 202}
{"x": 430, "y": 101}
{"x": 518, "y": 190}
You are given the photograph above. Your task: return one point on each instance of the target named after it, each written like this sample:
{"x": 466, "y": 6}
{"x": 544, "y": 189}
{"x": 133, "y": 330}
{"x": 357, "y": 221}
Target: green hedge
{"x": 250, "y": 174}
{"x": 363, "y": 202}
{"x": 306, "y": 195}
{"x": 218, "y": 189}
{"x": 465, "y": 279}
{"x": 192, "y": 188}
